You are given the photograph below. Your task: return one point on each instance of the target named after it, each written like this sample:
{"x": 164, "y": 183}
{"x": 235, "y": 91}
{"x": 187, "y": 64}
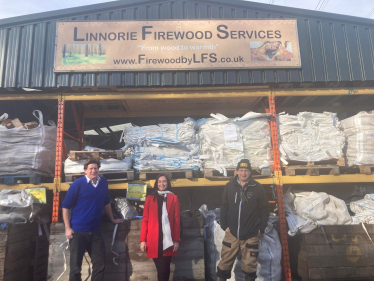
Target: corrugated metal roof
{"x": 333, "y": 48}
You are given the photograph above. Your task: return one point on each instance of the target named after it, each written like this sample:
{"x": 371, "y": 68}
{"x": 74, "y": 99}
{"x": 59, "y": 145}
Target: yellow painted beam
{"x": 321, "y": 108}
{"x": 49, "y": 186}
{"x": 355, "y": 178}
{"x": 323, "y": 91}
{"x": 20, "y": 97}
{"x": 201, "y": 94}
{"x": 172, "y": 112}
{"x": 226, "y": 111}
{"x": 202, "y": 182}
{"x": 195, "y": 93}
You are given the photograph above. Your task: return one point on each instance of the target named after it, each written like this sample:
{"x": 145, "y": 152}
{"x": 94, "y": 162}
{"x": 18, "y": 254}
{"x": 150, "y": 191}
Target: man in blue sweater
{"x": 87, "y": 197}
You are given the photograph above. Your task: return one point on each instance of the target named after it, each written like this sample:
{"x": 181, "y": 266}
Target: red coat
{"x": 149, "y": 232}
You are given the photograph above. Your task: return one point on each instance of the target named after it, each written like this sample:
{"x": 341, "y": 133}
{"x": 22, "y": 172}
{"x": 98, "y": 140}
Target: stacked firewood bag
{"x": 359, "y": 130}
{"x": 310, "y": 137}
{"x": 225, "y": 141}
{"x": 27, "y": 148}
{"x": 164, "y": 146}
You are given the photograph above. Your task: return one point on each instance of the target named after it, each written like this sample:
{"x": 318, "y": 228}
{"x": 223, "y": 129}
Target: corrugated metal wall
{"x": 330, "y": 51}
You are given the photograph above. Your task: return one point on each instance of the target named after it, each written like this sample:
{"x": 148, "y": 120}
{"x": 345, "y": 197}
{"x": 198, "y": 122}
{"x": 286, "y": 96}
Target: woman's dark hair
{"x": 155, "y": 193}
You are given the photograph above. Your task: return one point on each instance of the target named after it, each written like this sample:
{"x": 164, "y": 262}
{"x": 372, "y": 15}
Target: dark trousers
{"x": 93, "y": 243}
{"x": 163, "y": 268}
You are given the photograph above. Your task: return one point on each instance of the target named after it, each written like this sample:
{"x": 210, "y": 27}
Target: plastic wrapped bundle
{"x": 124, "y": 208}
{"x": 164, "y": 146}
{"x": 310, "y": 137}
{"x": 359, "y": 131}
{"x": 16, "y": 206}
{"x": 106, "y": 165}
{"x": 28, "y": 151}
{"x": 363, "y": 210}
{"x": 151, "y": 158}
{"x": 225, "y": 141}
{"x": 141, "y": 136}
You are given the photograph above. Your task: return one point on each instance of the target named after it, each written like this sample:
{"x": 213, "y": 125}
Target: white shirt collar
{"x": 90, "y": 181}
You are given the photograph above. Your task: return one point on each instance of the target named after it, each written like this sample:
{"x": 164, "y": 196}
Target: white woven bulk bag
{"x": 225, "y": 141}
{"x": 310, "y": 137}
{"x": 28, "y": 151}
{"x": 359, "y": 130}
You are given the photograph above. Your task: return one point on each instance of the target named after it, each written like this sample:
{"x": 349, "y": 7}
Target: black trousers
{"x": 163, "y": 268}
{"x": 93, "y": 243}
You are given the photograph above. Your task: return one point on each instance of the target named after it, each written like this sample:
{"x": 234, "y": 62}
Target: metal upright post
{"x": 82, "y": 125}
{"x": 279, "y": 190}
{"x": 79, "y": 123}
{"x": 58, "y": 163}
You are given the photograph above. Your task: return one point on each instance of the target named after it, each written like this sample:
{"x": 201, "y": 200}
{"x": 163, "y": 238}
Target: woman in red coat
{"x": 160, "y": 232}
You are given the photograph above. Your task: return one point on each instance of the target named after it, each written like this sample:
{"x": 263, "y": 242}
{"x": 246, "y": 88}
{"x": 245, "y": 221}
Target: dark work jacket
{"x": 244, "y": 219}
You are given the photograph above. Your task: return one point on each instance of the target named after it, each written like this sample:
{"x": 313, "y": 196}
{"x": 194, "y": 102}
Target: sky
{"x": 358, "y": 8}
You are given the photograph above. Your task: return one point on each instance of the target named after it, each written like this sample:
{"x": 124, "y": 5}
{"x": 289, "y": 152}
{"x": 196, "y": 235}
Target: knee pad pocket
{"x": 227, "y": 244}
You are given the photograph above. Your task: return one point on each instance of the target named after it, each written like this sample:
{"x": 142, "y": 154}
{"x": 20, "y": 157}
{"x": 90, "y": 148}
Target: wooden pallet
{"x": 326, "y": 167}
{"x": 361, "y": 169}
{"x": 213, "y": 174}
{"x": 172, "y": 174}
{"x": 112, "y": 176}
{"x": 79, "y": 155}
{"x": 312, "y": 170}
{"x": 338, "y": 162}
{"x": 133, "y": 264}
{"x": 34, "y": 179}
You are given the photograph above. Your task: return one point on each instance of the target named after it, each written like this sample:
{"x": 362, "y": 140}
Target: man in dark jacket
{"x": 244, "y": 216}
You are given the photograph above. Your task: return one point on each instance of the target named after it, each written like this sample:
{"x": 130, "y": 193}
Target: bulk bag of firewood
{"x": 28, "y": 151}
{"x": 310, "y": 137}
{"x": 225, "y": 141}
{"x": 359, "y": 130}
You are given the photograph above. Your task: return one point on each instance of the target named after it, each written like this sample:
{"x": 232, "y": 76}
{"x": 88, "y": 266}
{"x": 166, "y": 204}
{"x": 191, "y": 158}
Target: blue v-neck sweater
{"x": 87, "y": 203}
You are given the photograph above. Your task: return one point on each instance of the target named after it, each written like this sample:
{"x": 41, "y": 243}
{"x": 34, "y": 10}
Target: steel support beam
{"x": 202, "y": 182}
{"x": 79, "y": 123}
{"x": 227, "y": 111}
{"x": 58, "y": 163}
{"x": 279, "y": 191}
{"x": 190, "y": 93}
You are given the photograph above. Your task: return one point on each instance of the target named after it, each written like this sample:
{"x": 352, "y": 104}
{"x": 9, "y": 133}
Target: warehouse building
{"x": 195, "y": 58}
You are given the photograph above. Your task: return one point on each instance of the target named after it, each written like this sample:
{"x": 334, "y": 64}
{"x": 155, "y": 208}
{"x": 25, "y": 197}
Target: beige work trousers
{"x": 230, "y": 250}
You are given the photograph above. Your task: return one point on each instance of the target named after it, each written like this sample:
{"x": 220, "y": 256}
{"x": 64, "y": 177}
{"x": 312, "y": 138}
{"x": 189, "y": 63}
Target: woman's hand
{"x": 143, "y": 246}
{"x": 176, "y": 246}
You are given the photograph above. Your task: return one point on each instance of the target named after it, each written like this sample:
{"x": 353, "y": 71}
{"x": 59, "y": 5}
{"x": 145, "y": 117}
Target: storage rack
{"x": 279, "y": 180}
